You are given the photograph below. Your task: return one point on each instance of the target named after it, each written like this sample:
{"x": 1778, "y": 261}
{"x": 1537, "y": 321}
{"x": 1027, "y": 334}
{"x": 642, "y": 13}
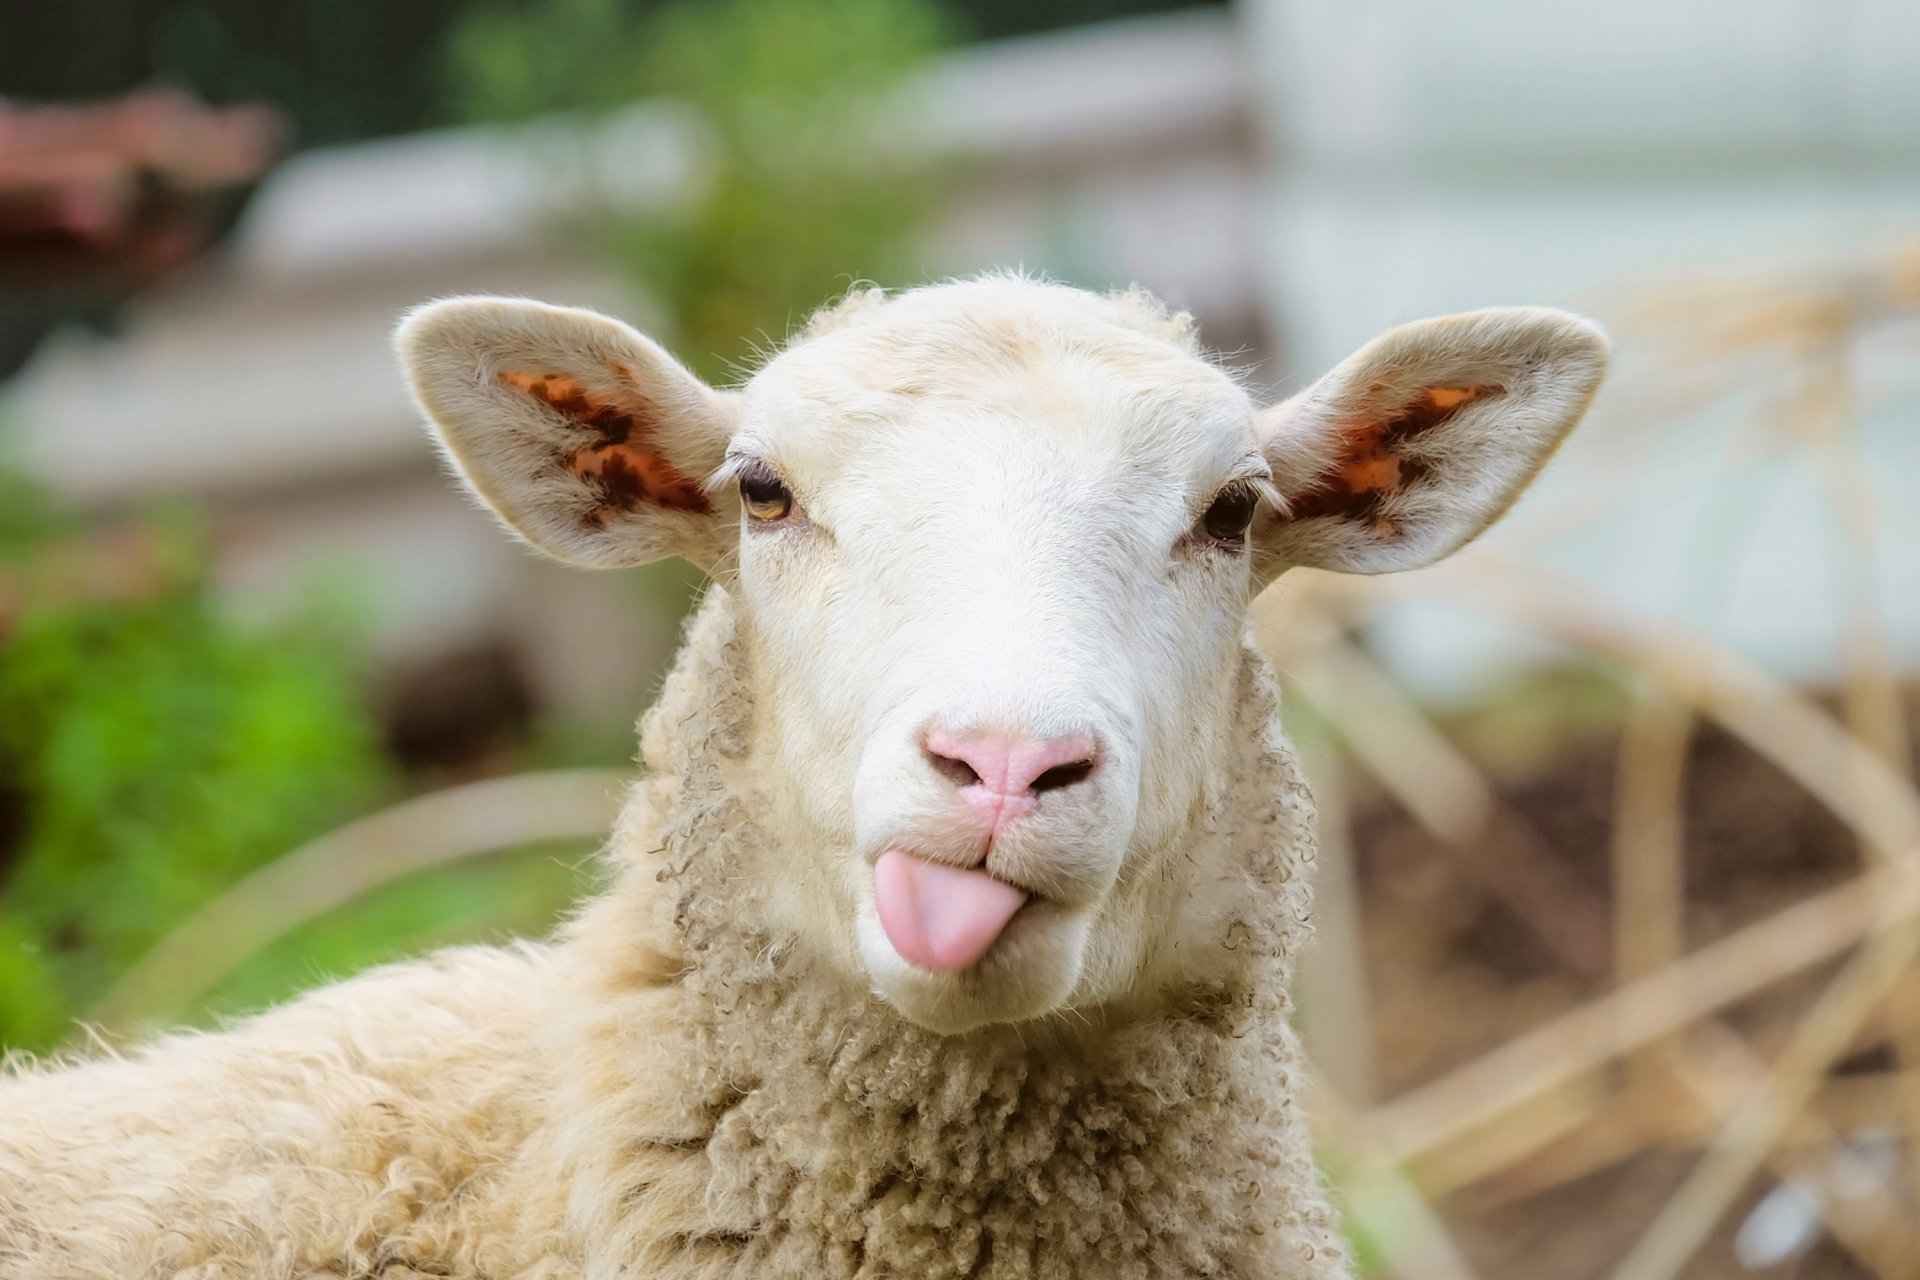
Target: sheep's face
{"x": 994, "y": 544}
{"x": 996, "y": 562}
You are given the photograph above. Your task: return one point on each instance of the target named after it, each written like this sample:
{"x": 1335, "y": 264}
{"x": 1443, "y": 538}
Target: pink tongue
{"x": 939, "y": 917}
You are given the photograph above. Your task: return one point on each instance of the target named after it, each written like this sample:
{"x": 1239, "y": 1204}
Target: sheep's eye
{"x": 1230, "y": 515}
{"x": 764, "y": 494}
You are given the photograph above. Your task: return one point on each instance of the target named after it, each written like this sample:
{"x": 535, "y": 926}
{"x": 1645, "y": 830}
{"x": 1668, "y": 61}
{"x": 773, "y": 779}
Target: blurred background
{"x": 1620, "y": 886}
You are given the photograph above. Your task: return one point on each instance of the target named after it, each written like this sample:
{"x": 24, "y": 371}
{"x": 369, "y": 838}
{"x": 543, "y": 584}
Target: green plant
{"x": 798, "y": 194}
{"x": 152, "y": 751}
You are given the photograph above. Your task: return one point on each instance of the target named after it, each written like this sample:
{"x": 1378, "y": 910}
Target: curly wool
{"x": 672, "y": 1089}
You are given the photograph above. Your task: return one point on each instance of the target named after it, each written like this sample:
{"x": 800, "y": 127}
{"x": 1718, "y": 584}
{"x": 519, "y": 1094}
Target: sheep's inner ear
{"x": 586, "y": 438}
{"x": 1418, "y": 442}
{"x": 1374, "y": 462}
{"x": 621, "y": 460}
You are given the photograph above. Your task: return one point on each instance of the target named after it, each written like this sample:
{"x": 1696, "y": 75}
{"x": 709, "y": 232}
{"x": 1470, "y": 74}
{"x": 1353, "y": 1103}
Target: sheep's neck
{"x": 819, "y": 1126}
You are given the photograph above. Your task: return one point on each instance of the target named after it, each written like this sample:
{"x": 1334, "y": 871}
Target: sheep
{"x": 948, "y": 932}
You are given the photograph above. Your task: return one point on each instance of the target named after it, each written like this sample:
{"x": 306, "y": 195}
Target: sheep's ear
{"x": 586, "y": 438}
{"x": 1423, "y": 438}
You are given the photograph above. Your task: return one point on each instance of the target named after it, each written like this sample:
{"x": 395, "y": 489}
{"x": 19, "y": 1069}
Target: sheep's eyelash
{"x": 728, "y": 472}
{"x": 1262, "y": 486}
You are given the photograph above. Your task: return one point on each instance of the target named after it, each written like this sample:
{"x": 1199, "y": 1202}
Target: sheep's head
{"x": 994, "y": 544}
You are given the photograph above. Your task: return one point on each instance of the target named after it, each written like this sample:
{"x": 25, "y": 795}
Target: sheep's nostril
{"x": 1063, "y": 775}
{"x": 954, "y": 769}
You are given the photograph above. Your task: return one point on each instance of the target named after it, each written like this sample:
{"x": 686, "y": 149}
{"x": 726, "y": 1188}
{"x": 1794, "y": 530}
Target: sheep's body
{"x": 674, "y": 1088}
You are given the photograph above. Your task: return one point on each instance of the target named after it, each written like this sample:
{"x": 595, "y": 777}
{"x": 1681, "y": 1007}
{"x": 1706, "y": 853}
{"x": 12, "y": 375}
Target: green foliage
{"x": 152, "y": 752}
{"x": 29, "y": 517}
{"x": 799, "y": 194}
{"x": 508, "y": 63}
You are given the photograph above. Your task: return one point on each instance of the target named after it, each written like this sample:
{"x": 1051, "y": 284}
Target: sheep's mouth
{"x": 943, "y": 918}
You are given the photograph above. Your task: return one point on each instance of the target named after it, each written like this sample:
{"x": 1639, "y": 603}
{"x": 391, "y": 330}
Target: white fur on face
{"x": 997, "y": 524}
{"x": 999, "y": 486}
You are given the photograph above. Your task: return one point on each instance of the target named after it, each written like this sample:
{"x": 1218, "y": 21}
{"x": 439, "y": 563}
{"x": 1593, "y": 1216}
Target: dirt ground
{"x": 1453, "y": 972}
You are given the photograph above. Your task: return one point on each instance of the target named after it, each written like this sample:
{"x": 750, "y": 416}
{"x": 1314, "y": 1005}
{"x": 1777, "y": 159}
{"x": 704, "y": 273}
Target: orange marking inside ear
{"x": 625, "y": 464}
{"x": 1370, "y": 468}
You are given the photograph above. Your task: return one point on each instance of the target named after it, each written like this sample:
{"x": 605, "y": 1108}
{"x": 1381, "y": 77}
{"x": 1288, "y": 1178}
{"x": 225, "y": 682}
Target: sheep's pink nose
{"x": 1006, "y": 772}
